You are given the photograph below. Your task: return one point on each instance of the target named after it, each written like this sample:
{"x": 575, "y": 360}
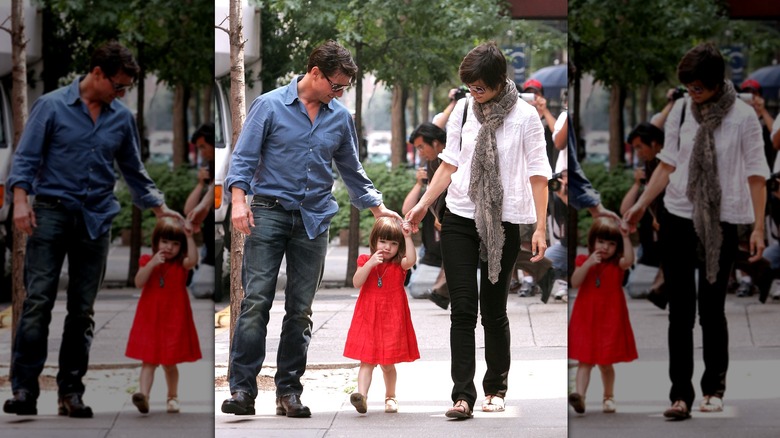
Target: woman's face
{"x": 481, "y": 92}
{"x": 700, "y": 93}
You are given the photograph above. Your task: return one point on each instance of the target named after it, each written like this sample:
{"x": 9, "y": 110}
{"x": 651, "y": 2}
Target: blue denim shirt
{"x": 282, "y": 154}
{"x": 62, "y": 153}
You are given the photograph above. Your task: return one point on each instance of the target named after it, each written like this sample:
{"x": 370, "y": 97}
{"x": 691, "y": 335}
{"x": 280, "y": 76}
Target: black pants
{"x": 679, "y": 251}
{"x": 460, "y": 251}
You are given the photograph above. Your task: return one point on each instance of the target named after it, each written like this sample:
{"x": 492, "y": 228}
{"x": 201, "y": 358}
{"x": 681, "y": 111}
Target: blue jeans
{"x": 460, "y": 249}
{"x": 59, "y": 233}
{"x": 277, "y": 233}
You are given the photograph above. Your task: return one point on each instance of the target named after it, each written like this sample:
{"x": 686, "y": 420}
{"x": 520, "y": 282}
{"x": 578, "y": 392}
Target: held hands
{"x": 631, "y": 218}
{"x": 406, "y": 227}
{"x": 415, "y": 216}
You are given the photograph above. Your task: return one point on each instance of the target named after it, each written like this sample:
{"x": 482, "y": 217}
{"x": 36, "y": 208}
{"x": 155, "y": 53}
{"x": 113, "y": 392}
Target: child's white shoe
{"x": 173, "y": 405}
{"x": 609, "y": 407}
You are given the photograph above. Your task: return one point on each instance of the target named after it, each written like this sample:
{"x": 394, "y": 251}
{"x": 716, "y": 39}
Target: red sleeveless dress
{"x": 381, "y": 331}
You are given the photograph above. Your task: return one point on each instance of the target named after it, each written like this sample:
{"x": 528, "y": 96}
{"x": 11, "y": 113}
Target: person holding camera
{"x": 647, "y": 140}
{"x": 495, "y": 180}
{"x": 429, "y": 141}
{"x": 714, "y": 180}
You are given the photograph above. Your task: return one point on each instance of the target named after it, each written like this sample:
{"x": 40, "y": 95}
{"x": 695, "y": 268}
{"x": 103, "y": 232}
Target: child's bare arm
{"x": 361, "y": 274}
{"x": 143, "y": 274}
{"x": 628, "y": 251}
{"x": 578, "y": 276}
{"x": 191, "y": 259}
{"x": 411, "y": 253}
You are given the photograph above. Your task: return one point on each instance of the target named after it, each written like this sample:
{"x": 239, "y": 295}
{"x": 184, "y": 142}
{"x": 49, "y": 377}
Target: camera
{"x": 528, "y": 97}
{"x": 678, "y": 93}
{"x": 461, "y": 93}
{"x": 771, "y": 183}
{"x": 554, "y": 183}
{"x": 746, "y": 97}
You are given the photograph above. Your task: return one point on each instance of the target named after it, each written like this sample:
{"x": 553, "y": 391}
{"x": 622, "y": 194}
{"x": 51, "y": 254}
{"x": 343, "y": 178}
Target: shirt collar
{"x": 73, "y": 95}
{"x": 292, "y": 93}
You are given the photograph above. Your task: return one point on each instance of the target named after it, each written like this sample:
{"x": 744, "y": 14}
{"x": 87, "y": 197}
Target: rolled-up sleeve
{"x": 246, "y": 155}
{"x": 752, "y": 146}
{"x": 29, "y": 155}
{"x": 535, "y": 149}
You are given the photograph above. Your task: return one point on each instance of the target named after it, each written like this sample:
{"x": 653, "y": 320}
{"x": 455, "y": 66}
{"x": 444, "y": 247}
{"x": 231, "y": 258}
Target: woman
{"x": 496, "y": 167}
{"x": 712, "y": 166}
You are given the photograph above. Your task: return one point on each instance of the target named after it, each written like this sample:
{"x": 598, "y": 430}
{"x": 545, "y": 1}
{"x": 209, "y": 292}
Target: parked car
{"x": 223, "y": 148}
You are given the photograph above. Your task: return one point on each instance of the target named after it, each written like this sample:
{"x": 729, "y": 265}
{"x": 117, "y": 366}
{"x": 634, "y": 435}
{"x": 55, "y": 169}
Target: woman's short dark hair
{"x": 485, "y": 62}
{"x": 647, "y": 133}
{"x": 112, "y": 57}
{"x": 429, "y": 132}
{"x": 331, "y": 57}
{"x": 705, "y": 63}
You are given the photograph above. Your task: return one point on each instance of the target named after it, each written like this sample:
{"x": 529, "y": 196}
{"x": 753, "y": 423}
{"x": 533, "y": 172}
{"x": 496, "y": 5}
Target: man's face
{"x": 426, "y": 151}
{"x": 643, "y": 151}
{"x": 110, "y": 88}
{"x": 326, "y": 83}
{"x": 206, "y": 150}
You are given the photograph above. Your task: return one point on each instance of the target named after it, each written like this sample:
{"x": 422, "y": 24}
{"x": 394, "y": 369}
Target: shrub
{"x": 176, "y": 185}
{"x": 394, "y": 185}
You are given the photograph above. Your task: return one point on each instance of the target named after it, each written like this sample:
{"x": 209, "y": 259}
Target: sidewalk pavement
{"x": 536, "y": 400}
{"x": 752, "y": 397}
{"x": 112, "y": 377}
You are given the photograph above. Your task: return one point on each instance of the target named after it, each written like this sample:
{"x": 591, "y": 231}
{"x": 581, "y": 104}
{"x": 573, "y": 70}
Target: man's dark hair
{"x": 705, "y": 63}
{"x": 331, "y": 58}
{"x": 647, "y": 133}
{"x": 429, "y": 132}
{"x": 485, "y": 62}
{"x": 112, "y": 57}
{"x": 206, "y": 131}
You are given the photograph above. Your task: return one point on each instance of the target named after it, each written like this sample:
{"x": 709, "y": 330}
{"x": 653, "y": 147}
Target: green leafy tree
{"x": 631, "y": 43}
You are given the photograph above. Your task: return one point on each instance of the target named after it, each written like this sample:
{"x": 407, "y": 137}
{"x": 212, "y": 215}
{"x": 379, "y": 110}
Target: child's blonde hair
{"x": 606, "y": 229}
{"x": 388, "y": 228}
{"x": 170, "y": 229}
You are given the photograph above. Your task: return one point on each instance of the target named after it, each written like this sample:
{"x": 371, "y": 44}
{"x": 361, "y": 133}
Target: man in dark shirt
{"x": 66, "y": 159}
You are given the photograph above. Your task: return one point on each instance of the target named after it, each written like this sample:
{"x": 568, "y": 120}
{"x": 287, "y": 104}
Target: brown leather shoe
{"x": 22, "y": 403}
{"x": 73, "y": 406}
{"x": 291, "y": 406}
{"x": 241, "y": 403}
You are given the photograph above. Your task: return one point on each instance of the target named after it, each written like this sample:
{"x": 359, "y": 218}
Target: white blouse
{"x": 739, "y": 148}
{"x": 522, "y": 152}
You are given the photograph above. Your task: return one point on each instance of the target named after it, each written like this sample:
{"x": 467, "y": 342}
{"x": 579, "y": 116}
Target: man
{"x": 429, "y": 140}
{"x": 298, "y": 130}
{"x": 66, "y": 159}
{"x": 199, "y": 209}
{"x": 647, "y": 140}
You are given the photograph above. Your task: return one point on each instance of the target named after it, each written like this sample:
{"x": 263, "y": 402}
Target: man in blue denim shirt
{"x": 66, "y": 159}
{"x": 283, "y": 157}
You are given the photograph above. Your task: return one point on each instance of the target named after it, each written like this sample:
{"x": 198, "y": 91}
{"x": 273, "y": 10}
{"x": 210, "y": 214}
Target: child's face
{"x": 169, "y": 248}
{"x": 607, "y": 248}
{"x": 388, "y": 247}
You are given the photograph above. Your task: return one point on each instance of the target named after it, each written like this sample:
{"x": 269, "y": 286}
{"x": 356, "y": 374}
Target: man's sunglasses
{"x": 335, "y": 87}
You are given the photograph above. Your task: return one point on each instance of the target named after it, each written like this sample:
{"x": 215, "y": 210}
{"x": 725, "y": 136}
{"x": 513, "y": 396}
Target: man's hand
{"x": 24, "y": 216}
{"x": 380, "y": 211}
{"x": 242, "y": 217}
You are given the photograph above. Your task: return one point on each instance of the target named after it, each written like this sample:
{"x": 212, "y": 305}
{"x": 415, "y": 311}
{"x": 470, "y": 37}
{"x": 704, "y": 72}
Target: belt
{"x": 46, "y": 198}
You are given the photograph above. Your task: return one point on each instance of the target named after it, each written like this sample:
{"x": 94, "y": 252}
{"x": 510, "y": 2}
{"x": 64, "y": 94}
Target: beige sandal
{"x": 608, "y": 406}
{"x": 493, "y": 403}
{"x": 172, "y": 406}
{"x": 391, "y": 405}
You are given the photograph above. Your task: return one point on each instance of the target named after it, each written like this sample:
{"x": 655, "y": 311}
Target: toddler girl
{"x": 600, "y": 331}
{"x": 163, "y": 331}
{"x": 381, "y": 331}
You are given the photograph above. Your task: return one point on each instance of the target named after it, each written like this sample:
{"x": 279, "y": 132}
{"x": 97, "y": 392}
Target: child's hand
{"x": 377, "y": 258}
{"x": 594, "y": 258}
{"x": 157, "y": 259}
{"x": 406, "y": 227}
{"x": 190, "y": 228}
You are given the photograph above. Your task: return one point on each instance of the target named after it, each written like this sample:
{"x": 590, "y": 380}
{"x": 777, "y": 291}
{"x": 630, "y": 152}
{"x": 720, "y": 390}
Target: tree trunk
{"x": 180, "y": 98}
{"x": 398, "y": 126}
{"x": 354, "y": 213}
{"x": 616, "y": 149}
{"x": 136, "y": 236}
{"x": 208, "y": 101}
{"x": 238, "y": 109}
{"x": 644, "y": 97}
{"x": 19, "y": 104}
{"x": 425, "y": 103}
